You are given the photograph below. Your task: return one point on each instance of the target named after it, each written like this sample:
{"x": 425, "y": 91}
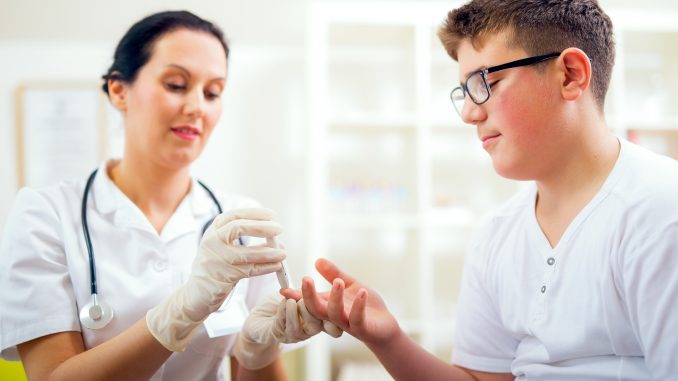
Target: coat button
{"x": 551, "y": 261}
{"x": 159, "y": 266}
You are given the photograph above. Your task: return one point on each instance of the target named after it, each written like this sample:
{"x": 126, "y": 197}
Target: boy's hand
{"x": 349, "y": 305}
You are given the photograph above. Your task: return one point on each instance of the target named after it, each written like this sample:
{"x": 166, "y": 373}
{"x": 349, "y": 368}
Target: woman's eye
{"x": 175, "y": 86}
{"x": 491, "y": 84}
{"x": 211, "y": 95}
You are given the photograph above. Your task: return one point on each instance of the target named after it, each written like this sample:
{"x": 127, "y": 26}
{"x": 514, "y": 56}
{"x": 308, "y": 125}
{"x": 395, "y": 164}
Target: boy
{"x": 575, "y": 277}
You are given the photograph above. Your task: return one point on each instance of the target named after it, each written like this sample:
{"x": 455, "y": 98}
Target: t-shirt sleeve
{"x": 481, "y": 342}
{"x": 650, "y": 285}
{"x": 37, "y": 296}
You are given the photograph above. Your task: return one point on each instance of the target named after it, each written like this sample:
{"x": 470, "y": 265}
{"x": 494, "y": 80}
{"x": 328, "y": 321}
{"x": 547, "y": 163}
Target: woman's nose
{"x": 195, "y": 103}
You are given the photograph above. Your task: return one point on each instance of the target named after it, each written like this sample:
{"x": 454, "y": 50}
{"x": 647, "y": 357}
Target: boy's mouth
{"x": 489, "y": 139}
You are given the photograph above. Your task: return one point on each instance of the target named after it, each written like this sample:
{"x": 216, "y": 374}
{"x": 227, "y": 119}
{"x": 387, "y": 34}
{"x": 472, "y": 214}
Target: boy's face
{"x": 518, "y": 125}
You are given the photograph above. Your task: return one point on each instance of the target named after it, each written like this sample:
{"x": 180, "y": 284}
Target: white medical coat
{"x": 45, "y": 269}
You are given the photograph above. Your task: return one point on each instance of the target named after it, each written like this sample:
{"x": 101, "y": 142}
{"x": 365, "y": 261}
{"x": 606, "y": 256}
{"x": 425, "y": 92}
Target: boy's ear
{"x": 117, "y": 93}
{"x": 576, "y": 69}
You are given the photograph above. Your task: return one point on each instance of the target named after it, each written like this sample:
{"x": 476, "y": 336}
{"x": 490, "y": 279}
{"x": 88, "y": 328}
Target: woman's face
{"x": 172, "y": 106}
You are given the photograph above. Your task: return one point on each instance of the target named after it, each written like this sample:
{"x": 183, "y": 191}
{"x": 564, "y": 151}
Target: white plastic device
{"x": 283, "y": 278}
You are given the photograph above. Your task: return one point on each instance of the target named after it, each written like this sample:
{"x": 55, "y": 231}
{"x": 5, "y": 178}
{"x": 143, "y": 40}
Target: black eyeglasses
{"x": 476, "y": 86}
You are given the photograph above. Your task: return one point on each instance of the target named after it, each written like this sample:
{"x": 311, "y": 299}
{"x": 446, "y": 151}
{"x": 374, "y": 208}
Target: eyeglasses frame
{"x": 484, "y": 72}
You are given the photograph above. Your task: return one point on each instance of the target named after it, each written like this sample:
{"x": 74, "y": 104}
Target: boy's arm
{"x": 405, "y": 360}
{"x": 369, "y": 320}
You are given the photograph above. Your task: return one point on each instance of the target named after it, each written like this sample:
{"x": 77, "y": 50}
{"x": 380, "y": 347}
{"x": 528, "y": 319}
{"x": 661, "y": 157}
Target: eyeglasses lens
{"x": 477, "y": 88}
{"x": 457, "y": 97}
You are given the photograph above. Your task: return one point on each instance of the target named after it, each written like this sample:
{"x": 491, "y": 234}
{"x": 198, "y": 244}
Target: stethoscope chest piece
{"x": 95, "y": 314}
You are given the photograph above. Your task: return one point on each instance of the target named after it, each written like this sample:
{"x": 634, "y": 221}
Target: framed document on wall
{"x": 61, "y": 131}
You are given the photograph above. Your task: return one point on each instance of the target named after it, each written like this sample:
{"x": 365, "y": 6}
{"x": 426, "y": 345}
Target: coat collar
{"x": 193, "y": 211}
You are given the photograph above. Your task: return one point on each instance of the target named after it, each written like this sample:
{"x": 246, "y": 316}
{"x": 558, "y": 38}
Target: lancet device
{"x": 283, "y": 278}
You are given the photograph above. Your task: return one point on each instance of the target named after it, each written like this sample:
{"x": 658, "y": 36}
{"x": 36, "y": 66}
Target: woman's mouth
{"x": 186, "y": 133}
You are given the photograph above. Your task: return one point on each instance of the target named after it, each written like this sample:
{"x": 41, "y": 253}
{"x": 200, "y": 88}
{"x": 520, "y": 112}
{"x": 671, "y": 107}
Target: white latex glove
{"x": 275, "y": 321}
{"x": 219, "y": 264}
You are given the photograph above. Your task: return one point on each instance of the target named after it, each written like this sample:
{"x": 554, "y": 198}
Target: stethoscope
{"x": 97, "y": 314}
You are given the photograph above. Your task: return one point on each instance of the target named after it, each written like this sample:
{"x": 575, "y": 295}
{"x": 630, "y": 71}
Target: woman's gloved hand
{"x": 275, "y": 321}
{"x": 219, "y": 264}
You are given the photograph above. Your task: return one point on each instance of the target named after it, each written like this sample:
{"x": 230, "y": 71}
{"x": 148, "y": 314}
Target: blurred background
{"x": 336, "y": 116}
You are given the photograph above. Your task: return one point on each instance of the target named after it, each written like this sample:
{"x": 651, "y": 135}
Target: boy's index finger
{"x": 330, "y": 271}
{"x": 314, "y": 304}
{"x": 290, "y": 293}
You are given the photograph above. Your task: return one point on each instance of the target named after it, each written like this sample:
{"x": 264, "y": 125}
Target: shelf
{"x": 437, "y": 326}
{"x": 458, "y": 216}
{"x": 410, "y": 326}
{"x": 447, "y": 274}
{"x": 373, "y": 221}
{"x": 442, "y": 326}
{"x": 405, "y": 183}
{"x": 362, "y": 36}
{"x": 444, "y": 77}
{"x": 373, "y": 55}
{"x": 642, "y": 19}
{"x": 377, "y": 121}
{"x": 357, "y": 143}
{"x": 393, "y": 275}
{"x": 650, "y": 60}
{"x": 347, "y": 89}
{"x": 450, "y": 121}
{"x": 362, "y": 370}
{"x": 377, "y": 57}
{"x": 661, "y": 141}
{"x": 456, "y": 146}
{"x": 661, "y": 123}
{"x": 448, "y": 244}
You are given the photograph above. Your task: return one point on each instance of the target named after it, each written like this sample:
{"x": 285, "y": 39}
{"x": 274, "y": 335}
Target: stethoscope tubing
{"x": 88, "y": 240}
{"x": 86, "y": 317}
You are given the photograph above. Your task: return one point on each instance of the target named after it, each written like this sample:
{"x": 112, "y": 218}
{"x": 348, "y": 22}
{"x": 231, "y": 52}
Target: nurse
{"x": 145, "y": 214}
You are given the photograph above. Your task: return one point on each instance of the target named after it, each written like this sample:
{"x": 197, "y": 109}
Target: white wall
{"x": 31, "y": 60}
{"x": 274, "y": 22}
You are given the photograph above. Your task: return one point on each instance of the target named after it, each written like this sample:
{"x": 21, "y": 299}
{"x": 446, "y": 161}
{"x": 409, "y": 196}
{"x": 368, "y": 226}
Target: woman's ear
{"x": 576, "y": 73}
{"x": 117, "y": 92}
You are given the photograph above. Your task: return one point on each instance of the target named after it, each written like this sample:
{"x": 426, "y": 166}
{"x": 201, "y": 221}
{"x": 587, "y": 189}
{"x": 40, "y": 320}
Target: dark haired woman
{"x": 160, "y": 275}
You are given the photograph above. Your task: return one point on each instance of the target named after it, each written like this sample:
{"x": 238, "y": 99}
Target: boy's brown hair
{"x": 538, "y": 27}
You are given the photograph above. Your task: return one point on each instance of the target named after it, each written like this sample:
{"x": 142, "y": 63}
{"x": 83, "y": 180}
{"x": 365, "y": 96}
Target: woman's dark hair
{"x": 135, "y": 47}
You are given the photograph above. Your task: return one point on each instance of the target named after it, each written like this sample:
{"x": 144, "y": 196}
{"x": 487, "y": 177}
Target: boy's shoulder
{"x": 645, "y": 195}
{"x": 647, "y": 177}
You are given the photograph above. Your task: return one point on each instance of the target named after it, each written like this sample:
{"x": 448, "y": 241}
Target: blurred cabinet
{"x": 644, "y": 108}
{"x": 399, "y": 185}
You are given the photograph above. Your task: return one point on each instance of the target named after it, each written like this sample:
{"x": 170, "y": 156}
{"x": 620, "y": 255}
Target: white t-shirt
{"x": 601, "y": 305}
{"x": 44, "y": 268}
